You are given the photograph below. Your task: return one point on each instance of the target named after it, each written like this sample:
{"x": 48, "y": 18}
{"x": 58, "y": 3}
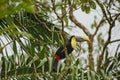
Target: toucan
{"x": 70, "y": 46}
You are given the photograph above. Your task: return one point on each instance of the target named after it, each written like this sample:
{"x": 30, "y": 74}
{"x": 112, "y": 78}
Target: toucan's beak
{"x": 82, "y": 38}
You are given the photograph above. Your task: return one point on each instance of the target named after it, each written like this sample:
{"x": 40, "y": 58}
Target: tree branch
{"x": 117, "y": 15}
{"x": 103, "y": 11}
{"x": 86, "y": 31}
{"x": 114, "y": 41}
{"x": 99, "y": 25}
{"x": 109, "y": 33}
{"x": 75, "y": 21}
{"x": 54, "y": 9}
{"x": 61, "y": 18}
{"x": 100, "y": 58}
{"x": 108, "y": 8}
{"x": 112, "y": 24}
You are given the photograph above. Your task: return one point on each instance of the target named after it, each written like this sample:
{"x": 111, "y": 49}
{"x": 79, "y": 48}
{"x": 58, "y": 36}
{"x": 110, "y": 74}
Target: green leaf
{"x": 50, "y": 63}
{"x": 66, "y": 20}
{"x": 77, "y": 62}
{"x": 87, "y": 9}
{"x": 58, "y": 5}
{"x": 42, "y": 53}
{"x": 30, "y": 9}
{"x": 1, "y": 49}
{"x": 79, "y": 1}
{"x": 84, "y": 1}
{"x": 88, "y": 75}
{"x": 6, "y": 29}
{"x": 82, "y": 75}
{"x": 106, "y": 54}
{"x": 82, "y": 7}
{"x": 3, "y": 1}
{"x": 94, "y": 23}
{"x": 93, "y": 75}
{"x": 14, "y": 47}
{"x": 92, "y": 4}
{"x": 58, "y": 67}
{"x": 3, "y": 8}
{"x": 42, "y": 62}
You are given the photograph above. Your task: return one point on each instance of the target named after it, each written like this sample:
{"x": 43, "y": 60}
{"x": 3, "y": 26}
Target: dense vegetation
{"x": 32, "y": 30}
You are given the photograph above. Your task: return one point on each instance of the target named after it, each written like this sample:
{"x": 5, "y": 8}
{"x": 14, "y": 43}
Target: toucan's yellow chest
{"x": 73, "y": 42}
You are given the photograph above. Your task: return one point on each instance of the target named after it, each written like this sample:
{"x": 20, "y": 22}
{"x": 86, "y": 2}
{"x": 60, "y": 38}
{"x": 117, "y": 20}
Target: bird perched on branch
{"x": 60, "y": 53}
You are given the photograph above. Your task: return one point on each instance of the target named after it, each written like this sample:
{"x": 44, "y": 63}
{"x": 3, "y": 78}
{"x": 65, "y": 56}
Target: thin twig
{"x": 103, "y": 11}
{"x": 116, "y": 17}
{"x": 114, "y": 41}
{"x": 97, "y": 28}
{"x": 108, "y": 10}
{"x": 75, "y": 21}
{"x": 53, "y": 4}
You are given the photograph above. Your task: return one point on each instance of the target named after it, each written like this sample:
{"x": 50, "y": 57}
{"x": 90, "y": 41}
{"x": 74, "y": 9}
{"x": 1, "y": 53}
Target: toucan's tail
{"x": 55, "y": 64}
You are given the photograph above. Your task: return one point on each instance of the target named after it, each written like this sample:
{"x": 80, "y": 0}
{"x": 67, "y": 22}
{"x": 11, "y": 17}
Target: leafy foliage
{"x": 87, "y": 5}
{"x": 29, "y": 38}
{"x": 13, "y": 6}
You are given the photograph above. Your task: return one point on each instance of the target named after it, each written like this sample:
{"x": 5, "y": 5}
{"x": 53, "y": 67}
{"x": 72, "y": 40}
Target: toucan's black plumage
{"x": 60, "y": 53}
